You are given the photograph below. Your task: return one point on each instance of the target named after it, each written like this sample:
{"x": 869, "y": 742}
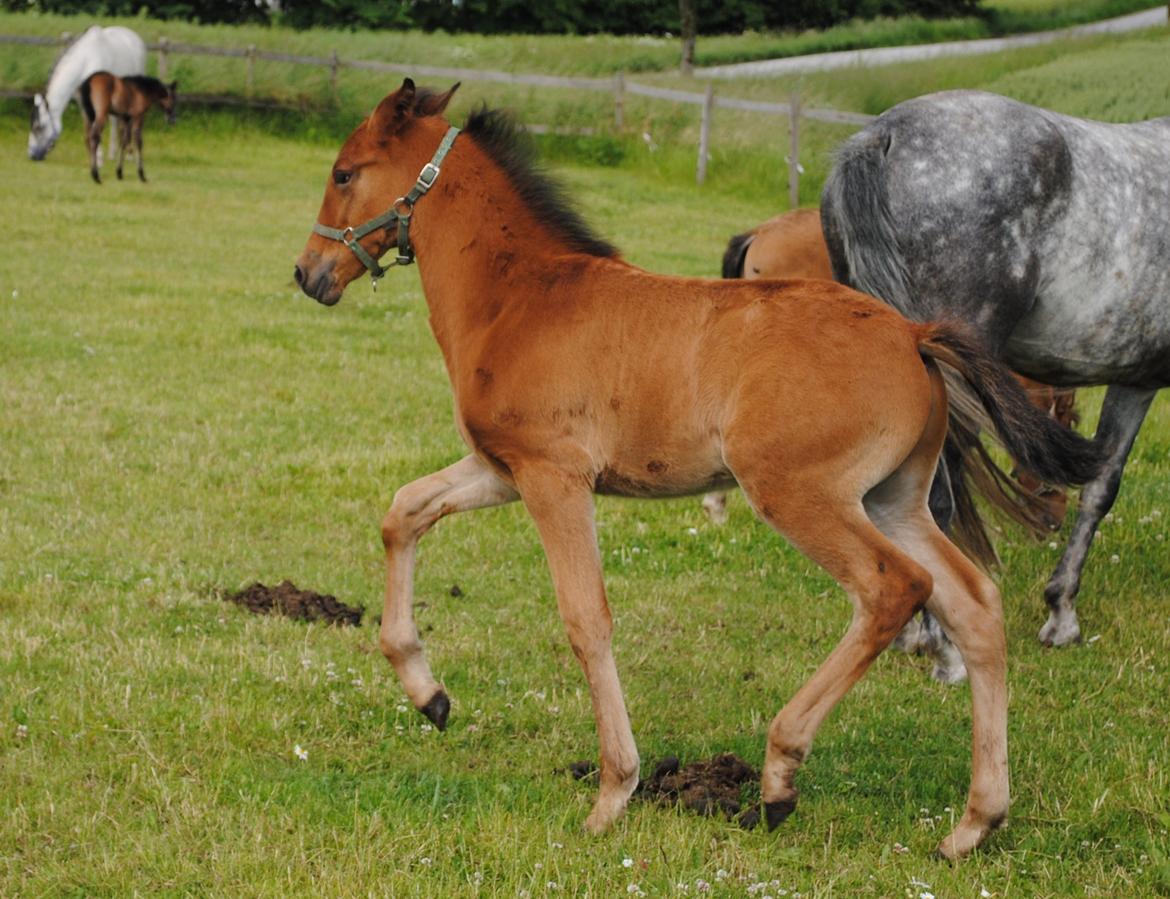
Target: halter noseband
{"x": 399, "y": 212}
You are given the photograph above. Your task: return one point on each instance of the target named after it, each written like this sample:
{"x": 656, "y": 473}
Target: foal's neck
{"x": 478, "y": 245}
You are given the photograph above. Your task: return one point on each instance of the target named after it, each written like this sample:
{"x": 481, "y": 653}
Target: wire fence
{"x": 618, "y": 86}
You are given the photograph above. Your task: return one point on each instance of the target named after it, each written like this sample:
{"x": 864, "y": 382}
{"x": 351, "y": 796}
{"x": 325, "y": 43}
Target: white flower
{"x": 1115, "y": 558}
{"x": 425, "y": 728}
{"x": 983, "y": 893}
{"x": 21, "y": 731}
{"x": 634, "y": 890}
{"x": 553, "y": 885}
{"x": 627, "y": 863}
{"x": 694, "y": 532}
{"x": 425, "y": 861}
{"x": 720, "y": 874}
{"x": 301, "y": 753}
{"x": 702, "y": 886}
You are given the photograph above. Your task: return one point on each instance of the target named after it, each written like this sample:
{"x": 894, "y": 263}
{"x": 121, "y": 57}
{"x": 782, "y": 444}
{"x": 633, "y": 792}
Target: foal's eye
{"x": 340, "y": 177}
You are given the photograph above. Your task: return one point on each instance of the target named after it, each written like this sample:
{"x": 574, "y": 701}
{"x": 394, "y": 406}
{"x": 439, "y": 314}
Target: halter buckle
{"x": 426, "y": 178}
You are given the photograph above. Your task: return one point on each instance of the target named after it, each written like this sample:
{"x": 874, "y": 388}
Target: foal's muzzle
{"x": 318, "y": 283}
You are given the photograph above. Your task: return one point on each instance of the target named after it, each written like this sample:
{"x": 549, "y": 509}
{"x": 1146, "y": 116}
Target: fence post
{"x": 794, "y": 150}
{"x": 619, "y": 100}
{"x": 251, "y": 69}
{"x": 334, "y": 64}
{"x": 162, "y": 58}
{"x": 705, "y": 133}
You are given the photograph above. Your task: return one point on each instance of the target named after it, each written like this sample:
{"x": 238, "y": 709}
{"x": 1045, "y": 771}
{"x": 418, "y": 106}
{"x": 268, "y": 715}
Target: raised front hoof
{"x": 437, "y": 709}
{"x": 776, "y": 813}
{"x": 1060, "y": 630}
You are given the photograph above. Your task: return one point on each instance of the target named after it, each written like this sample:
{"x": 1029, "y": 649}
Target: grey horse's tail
{"x": 859, "y": 229}
{"x": 1055, "y": 454}
{"x": 736, "y": 253}
{"x": 862, "y": 237}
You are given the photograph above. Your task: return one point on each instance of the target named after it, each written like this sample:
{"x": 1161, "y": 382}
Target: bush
{"x": 516, "y": 16}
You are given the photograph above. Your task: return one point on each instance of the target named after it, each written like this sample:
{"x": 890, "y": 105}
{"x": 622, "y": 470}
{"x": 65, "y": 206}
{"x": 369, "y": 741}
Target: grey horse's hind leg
{"x": 1122, "y": 414}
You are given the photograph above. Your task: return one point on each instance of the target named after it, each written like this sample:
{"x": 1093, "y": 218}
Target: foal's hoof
{"x": 437, "y": 709}
{"x": 776, "y": 813}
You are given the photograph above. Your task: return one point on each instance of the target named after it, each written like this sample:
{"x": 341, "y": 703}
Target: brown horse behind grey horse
{"x": 128, "y": 100}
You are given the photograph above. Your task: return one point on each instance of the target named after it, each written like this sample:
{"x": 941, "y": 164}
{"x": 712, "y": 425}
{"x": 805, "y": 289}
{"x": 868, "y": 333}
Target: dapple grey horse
{"x": 1049, "y": 234}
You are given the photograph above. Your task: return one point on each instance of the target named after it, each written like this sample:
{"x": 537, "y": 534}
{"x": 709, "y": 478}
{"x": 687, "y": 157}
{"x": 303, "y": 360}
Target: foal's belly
{"x": 662, "y": 475}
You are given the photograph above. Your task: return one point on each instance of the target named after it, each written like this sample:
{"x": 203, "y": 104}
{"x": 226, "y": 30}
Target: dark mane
{"x": 504, "y": 140}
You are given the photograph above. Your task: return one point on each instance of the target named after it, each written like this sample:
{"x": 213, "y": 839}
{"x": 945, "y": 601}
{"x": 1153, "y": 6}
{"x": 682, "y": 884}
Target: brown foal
{"x": 576, "y": 373}
{"x": 128, "y": 100}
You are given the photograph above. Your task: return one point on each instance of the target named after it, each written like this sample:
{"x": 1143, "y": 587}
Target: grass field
{"x": 175, "y": 419}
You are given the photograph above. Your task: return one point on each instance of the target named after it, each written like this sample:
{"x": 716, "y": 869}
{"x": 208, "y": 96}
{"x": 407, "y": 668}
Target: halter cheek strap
{"x": 399, "y": 212}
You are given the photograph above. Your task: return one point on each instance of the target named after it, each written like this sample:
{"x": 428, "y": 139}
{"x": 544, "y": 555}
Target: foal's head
{"x": 168, "y": 101}
{"x": 380, "y": 161}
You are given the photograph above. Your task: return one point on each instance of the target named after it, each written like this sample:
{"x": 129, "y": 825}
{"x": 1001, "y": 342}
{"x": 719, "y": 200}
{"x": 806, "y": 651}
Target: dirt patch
{"x": 289, "y": 600}
{"x": 723, "y": 784}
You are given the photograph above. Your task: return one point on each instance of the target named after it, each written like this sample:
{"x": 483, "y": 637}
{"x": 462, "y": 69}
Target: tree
{"x": 686, "y": 14}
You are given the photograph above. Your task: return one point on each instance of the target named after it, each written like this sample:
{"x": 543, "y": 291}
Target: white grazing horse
{"x": 116, "y": 50}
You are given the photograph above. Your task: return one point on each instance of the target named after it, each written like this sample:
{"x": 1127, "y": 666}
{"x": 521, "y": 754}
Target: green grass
{"x": 176, "y": 419}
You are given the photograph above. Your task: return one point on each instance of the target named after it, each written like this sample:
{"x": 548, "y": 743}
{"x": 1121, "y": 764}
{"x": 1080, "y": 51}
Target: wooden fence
{"x": 618, "y": 86}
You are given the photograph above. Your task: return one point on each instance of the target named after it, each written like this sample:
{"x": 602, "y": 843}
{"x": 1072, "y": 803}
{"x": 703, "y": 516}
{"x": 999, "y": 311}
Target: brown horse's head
{"x": 379, "y": 162}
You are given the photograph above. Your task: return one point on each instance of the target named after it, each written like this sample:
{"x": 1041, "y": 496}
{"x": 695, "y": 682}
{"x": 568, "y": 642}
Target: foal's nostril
{"x": 299, "y": 276}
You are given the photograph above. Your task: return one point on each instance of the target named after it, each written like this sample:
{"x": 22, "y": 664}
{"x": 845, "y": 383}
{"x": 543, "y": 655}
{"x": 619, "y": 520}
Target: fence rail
{"x": 618, "y": 85}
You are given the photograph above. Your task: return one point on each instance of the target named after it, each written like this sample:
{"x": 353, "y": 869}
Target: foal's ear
{"x": 394, "y": 110}
{"x": 433, "y": 104}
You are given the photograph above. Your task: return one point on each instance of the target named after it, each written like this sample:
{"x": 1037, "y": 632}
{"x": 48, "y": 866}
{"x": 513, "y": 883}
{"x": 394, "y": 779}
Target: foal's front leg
{"x": 466, "y": 485}
{"x": 137, "y": 127}
{"x": 561, "y": 504}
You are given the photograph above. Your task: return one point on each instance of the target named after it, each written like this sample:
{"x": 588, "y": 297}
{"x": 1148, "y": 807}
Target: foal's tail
{"x": 1055, "y": 454}
{"x": 87, "y": 101}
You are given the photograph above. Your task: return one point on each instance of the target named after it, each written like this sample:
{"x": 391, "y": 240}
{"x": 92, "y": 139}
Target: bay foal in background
{"x": 127, "y": 100}
{"x": 575, "y": 373}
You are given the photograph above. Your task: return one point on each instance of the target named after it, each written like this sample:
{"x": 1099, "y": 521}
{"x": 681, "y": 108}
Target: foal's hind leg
{"x": 967, "y": 604}
{"x": 93, "y": 143}
{"x": 885, "y": 586}
{"x": 466, "y": 485}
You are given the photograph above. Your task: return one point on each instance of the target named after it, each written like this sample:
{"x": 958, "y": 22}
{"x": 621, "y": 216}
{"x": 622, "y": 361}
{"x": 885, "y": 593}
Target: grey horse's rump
{"x": 1049, "y": 234}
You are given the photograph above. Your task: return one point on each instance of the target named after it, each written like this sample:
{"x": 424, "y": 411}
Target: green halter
{"x": 400, "y": 212}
